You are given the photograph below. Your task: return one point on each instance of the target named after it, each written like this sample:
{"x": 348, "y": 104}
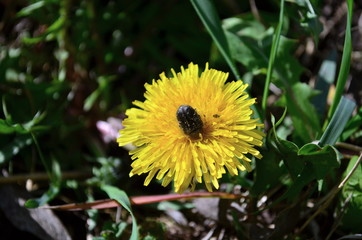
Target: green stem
{"x": 47, "y": 169}
{"x": 273, "y": 54}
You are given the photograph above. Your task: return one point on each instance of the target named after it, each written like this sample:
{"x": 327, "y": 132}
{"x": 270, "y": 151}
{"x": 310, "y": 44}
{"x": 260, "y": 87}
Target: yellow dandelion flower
{"x": 192, "y": 128}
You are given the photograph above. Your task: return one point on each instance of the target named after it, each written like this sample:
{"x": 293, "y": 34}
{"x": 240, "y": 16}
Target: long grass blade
{"x": 346, "y": 62}
{"x": 273, "y": 54}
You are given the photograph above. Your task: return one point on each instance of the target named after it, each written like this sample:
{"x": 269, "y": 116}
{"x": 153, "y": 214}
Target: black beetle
{"x": 189, "y": 121}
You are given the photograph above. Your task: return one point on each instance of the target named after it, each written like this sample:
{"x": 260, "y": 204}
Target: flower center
{"x": 189, "y": 121}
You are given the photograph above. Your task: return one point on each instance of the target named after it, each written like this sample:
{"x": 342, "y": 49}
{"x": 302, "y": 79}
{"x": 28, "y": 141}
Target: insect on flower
{"x": 190, "y": 122}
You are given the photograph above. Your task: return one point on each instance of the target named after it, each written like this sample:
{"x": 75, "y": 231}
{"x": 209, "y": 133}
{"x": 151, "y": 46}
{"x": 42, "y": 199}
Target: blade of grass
{"x": 208, "y": 15}
{"x": 345, "y": 64}
{"x": 338, "y": 122}
{"x": 273, "y": 53}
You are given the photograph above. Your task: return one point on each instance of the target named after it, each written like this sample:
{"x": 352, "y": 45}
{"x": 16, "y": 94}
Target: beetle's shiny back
{"x": 189, "y": 121}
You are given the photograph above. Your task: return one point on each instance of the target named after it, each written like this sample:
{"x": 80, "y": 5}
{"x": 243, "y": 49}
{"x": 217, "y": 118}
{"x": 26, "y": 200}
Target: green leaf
{"x": 208, "y": 15}
{"x": 31, "y": 203}
{"x": 245, "y": 25}
{"x": 8, "y": 128}
{"x": 122, "y": 198}
{"x": 287, "y": 67}
{"x": 288, "y": 153}
{"x": 322, "y": 160}
{"x": 304, "y": 116}
{"x": 310, "y": 162}
{"x": 250, "y": 43}
{"x": 246, "y": 52}
{"x": 252, "y": 49}
{"x": 338, "y": 122}
{"x": 316, "y": 164}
